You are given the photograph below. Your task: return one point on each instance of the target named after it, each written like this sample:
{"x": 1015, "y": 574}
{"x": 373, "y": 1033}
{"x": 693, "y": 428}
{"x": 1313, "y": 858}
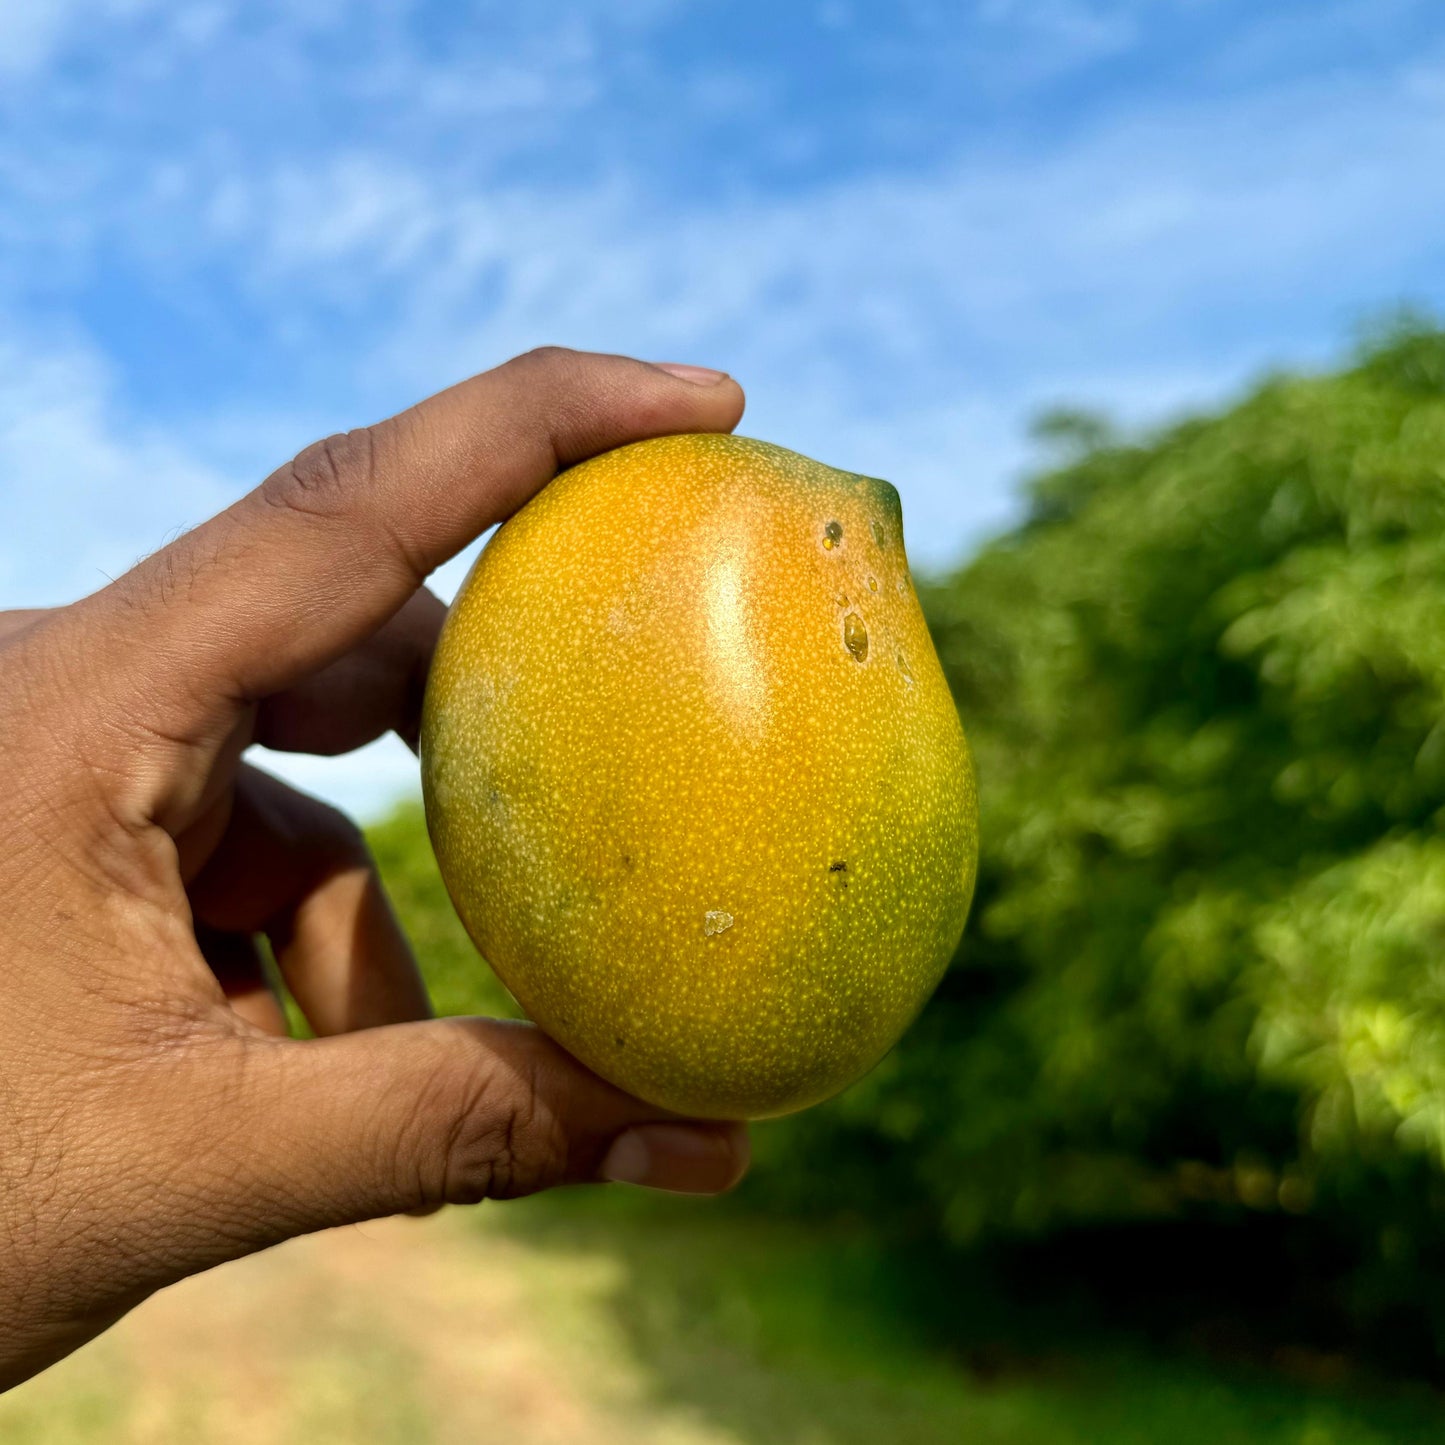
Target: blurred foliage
{"x": 1205, "y": 684}
{"x": 458, "y": 981}
{"x": 1205, "y": 975}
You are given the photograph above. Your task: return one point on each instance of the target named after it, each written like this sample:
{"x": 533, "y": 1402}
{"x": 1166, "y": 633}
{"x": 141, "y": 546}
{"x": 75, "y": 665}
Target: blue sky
{"x": 228, "y": 228}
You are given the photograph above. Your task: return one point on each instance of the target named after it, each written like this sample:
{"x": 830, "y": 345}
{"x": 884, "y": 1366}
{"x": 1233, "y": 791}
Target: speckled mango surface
{"x": 694, "y": 777}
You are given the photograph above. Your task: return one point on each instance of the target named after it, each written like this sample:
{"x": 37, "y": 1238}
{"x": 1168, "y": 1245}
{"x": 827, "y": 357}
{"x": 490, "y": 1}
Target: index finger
{"x": 327, "y": 548}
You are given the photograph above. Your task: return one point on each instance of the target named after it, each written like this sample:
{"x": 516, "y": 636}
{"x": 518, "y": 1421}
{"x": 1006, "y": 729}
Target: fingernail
{"x": 677, "y": 1158}
{"x": 698, "y": 375}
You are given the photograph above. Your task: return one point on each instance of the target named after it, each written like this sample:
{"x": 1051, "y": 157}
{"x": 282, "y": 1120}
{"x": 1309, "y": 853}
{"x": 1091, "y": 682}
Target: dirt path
{"x": 412, "y": 1331}
{"x": 554, "y": 1328}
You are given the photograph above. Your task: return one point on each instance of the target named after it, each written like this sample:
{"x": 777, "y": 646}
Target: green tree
{"x": 1205, "y": 683}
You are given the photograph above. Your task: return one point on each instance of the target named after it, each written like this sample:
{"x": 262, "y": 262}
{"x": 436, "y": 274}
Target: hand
{"x": 154, "y": 1120}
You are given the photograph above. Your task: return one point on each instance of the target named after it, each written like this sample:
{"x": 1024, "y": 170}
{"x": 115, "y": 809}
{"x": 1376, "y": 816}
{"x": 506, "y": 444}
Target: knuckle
{"x": 548, "y": 360}
{"x": 340, "y": 479}
{"x": 550, "y": 356}
{"x": 321, "y": 479}
{"x": 492, "y": 1137}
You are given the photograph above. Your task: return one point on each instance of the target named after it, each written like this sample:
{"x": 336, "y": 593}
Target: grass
{"x": 602, "y": 1317}
{"x": 784, "y": 1337}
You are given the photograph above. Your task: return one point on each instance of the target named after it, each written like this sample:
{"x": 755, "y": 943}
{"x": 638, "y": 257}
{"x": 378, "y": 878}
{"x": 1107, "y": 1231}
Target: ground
{"x": 569, "y": 1323}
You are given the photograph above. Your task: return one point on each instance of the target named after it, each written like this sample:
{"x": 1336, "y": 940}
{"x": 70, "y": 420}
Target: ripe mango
{"x": 694, "y": 777}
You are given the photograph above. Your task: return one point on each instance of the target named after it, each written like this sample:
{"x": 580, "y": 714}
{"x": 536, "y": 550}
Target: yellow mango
{"x": 694, "y": 777}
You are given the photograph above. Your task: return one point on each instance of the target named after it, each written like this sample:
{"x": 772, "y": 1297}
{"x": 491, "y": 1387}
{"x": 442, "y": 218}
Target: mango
{"x": 694, "y": 778}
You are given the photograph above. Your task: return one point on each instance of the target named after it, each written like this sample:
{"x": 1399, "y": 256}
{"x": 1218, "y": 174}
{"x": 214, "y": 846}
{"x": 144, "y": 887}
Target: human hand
{"x": 156, "y": 1121}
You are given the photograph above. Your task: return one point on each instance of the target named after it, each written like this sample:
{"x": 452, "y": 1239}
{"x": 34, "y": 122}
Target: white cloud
{"x": 904, "y": 325}
{"x": 32, "y": 30}
{"x": 1049, "y": 37}
{"x": 84, "y": 490}
{"x": 913, "y": 318}
{"x": 1149, "y": 210}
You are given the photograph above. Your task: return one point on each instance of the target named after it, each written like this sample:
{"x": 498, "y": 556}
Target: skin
{"x": 155, "y": 1119}
{"x": 694, "y": 775}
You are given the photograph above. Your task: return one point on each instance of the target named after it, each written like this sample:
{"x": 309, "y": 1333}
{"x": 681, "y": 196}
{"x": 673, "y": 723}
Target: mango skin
{"x": 717, "y": 844}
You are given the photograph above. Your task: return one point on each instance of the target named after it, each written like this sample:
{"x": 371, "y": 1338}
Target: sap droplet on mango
{"x": 732, "y": 742}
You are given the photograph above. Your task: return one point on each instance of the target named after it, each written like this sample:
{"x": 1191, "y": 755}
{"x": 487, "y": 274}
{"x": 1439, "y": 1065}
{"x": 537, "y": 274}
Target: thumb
{"x": 411, "y": 1116}
{"x": 318, "y": 556}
